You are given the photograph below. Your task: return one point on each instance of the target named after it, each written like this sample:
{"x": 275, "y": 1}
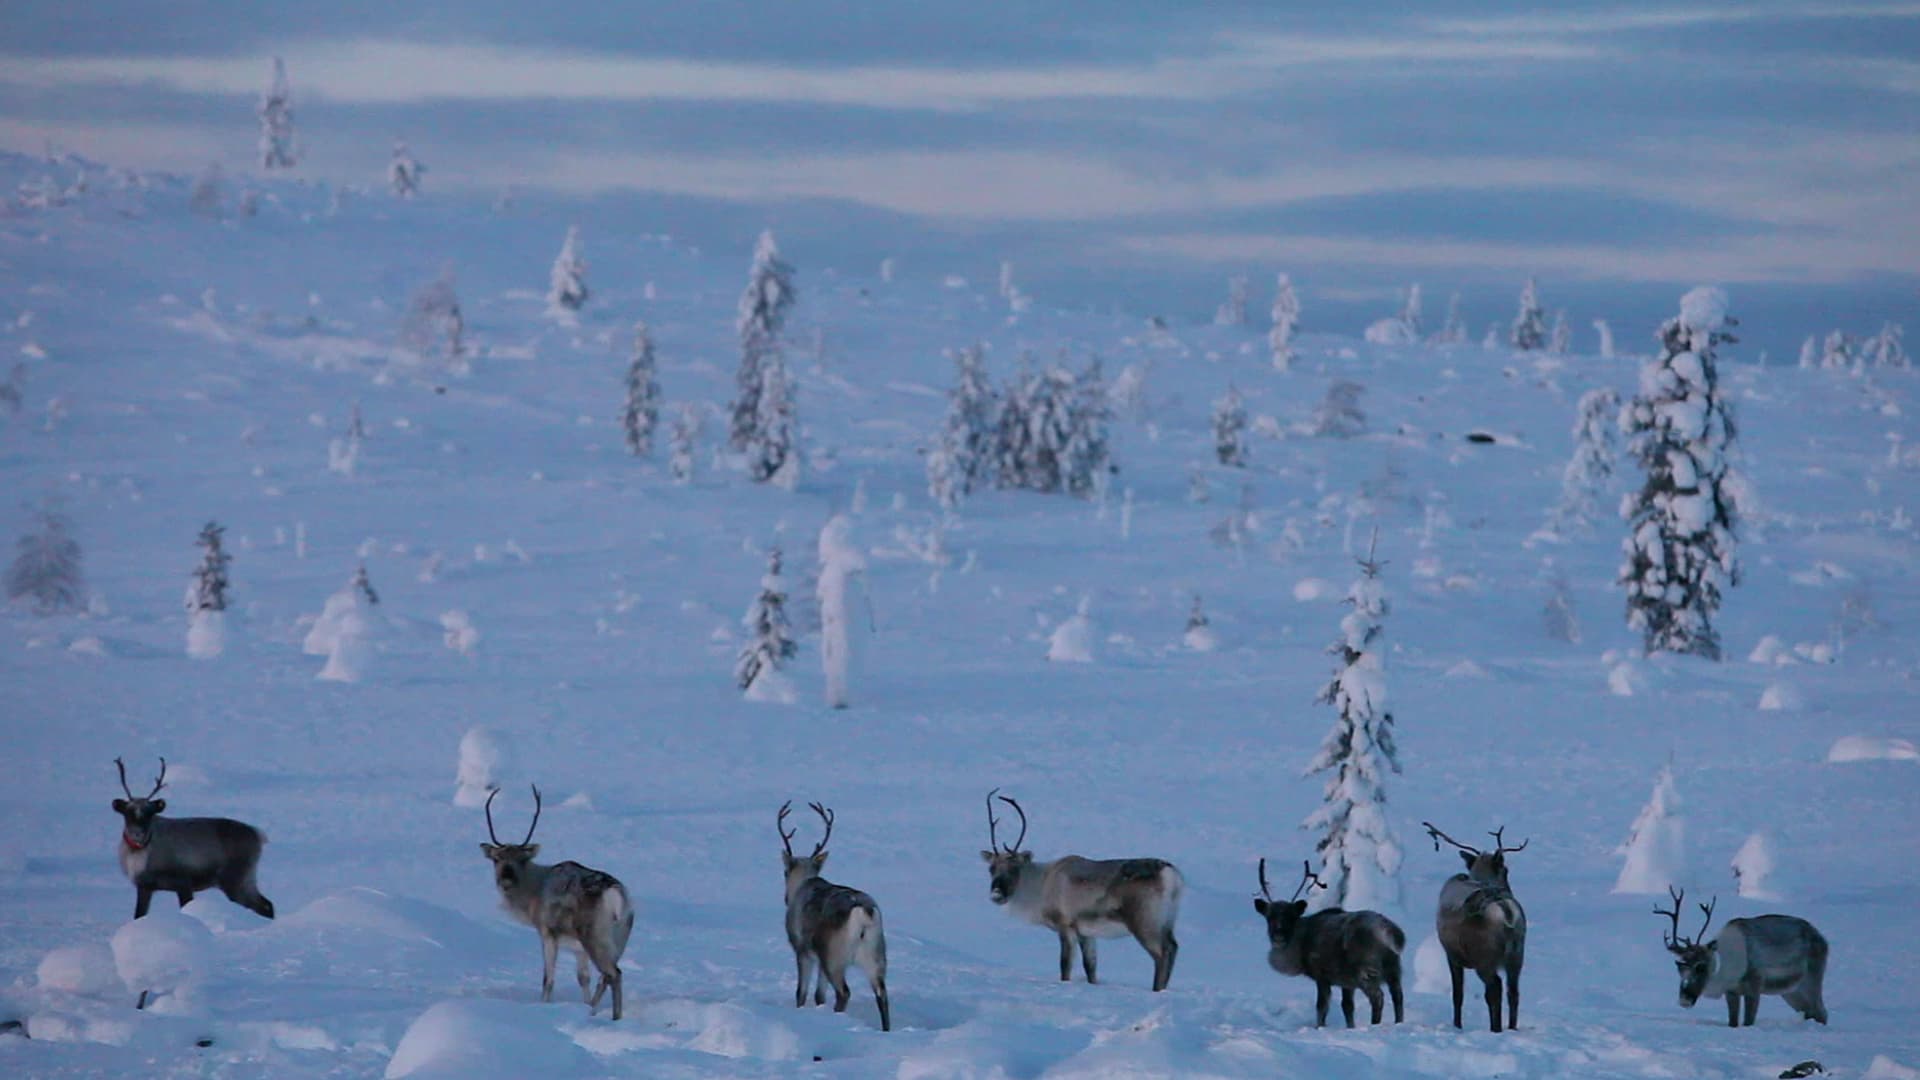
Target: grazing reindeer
{"x": 1482, "y": 926}
{"x": 577, "y": 906}
{"x": 1349, "y": 949}
{"x": 1084, "y": 899}
{"x": 1767, "y": 954}
{"x": 830, "y": 925}
{"x": 186, "y": 855}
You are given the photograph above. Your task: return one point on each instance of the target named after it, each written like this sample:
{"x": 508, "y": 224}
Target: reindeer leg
{"x": 1491, "y": 981}
{"x": 1458, "y": 974}
{"x": 549, "y": 955}
{"x": 1733, "y": 1008}
{"x": 142, "y": 900}
{"x": 880, "y": 998}
{"x": 1322, "y": 997}
{"x": 1066, "y": 956}
{"x": 1753, "y": 1006}
{"x": 1346, "y": 1004}
{"x": 1376, "y": 1001}
{"x": 803, "y": 962}
{"x": 842, "y": 994}
{"x": 185, "y": 895}
{"x": 1393, "y": 988}
{"x": 1087, "y": 957}
{"x": 1513, "y": 997}
{"x": 820, "y": 980}
{"x": 1169, "y": 948}
{"x": 580, "y": 976}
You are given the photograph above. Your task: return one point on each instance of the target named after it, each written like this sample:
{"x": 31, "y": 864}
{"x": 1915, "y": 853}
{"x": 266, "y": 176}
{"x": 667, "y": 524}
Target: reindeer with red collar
{"x": 185, "y": 855}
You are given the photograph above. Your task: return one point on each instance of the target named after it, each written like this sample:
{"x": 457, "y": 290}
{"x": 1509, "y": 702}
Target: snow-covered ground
{"x": 537, "y": 582}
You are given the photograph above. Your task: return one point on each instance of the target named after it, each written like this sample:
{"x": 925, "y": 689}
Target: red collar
{"x": 127, "y": 839}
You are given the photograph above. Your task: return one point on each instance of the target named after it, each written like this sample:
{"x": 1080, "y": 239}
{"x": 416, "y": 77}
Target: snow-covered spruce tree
{"x": 276, "y": 122}
{"x": 434, "y": 324}
{"x": 1199, "y": 635}
{"x": 686, "y": 428}
{"x": 763, "y": 311}
{"x": 1230, "y": 428}
{"x": 1656, "y": 847}
{"x": 1809, "y": 353}
{"x": 403, "y": 172}
{"x": 963, "y": 458}
{"x": 642, "y": 412}
{"x": 1339, "y": 413}
{"x": 1530, "y": 325}
{"x": 1605, "y": 331}
{"x": 1838, "y": 352}
{"x": 1087, "y": 455}
{"x": 46, "y": 570}
{"x": 1560, "y": 342}
{"x": 1454, "y": 330}
{"x": 567, "y": 282}
{"x": 841, "y": 565}
{"x": 772, "y": 451}
{"x": 770, "y": 641}
{"x": 343, "y": 454}
{"x": 1885, "y": 349}
{"x": 1234, "y": 311}
{"x": 1680, "y": 544}
{"x": 207, "y": 596}
{"x": 1013, "y": 430}
{"x": 1358, "y": 853}
{"x": 1590, "y": 469}
{"x": 1286, "y": 319}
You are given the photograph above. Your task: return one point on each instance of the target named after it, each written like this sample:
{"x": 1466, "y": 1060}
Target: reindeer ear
{"x": 1024, "y": 857}
{"x": 1467, "y": 857}
{"x": 820, "y": 860}
{"x": 1714, "y": 945}
{"x": 1499, "y": 863}
{"x": 486, "y": 849}
{"x": 1299, "y": 907}
{"x": 159, "y": 806}
{"x": 532, "y": 850}
{"x": 1259, "y": 905}
{"x": 986, "y": 856}
{"x": 119, "y": 806}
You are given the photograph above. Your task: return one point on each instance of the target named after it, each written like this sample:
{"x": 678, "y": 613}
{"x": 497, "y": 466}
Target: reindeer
{"x": 1083, "y": 899}
{"x": 1482, "y": 926}
{"x": 830, "y": 925}
{"x": 577, "y": 906}
{"x": 1766, "y": 954}
{"x": 185, "y": 855}
{"x": 1349, "y": 949}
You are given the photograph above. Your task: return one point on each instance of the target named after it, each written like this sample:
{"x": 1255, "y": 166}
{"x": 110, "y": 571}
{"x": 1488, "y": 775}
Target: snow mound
{"x": 483, "y": 757}
{"x": 1703, "y": 308}
{"x": 1850, "y": 748}
{"x": 370, "y": 911}
{"x": 464, "y": 1039}
{"x": 162, "y": 952}
{"x": 1309, "y": 589}
{"x": 1625, "y": 680}
{"x": 770, "y": 687}
{"x": 1780, "y": 696}
{"x": 1770, "y": 650}
{"x": 1430, "y": 967}
{"x": 1885, "y": 1068}
{"x": 79, "y": 969}
{"x": 460, "y": 634}
{"x": 1072, "y": 641}
{"x": 1201, "y": 639}
{"x": 1466, "y": 669}
{"x": 206, "y": 635}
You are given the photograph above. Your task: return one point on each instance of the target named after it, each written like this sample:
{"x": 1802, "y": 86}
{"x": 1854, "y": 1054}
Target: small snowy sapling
{"x": 1230, "y": 428}
{"x": 770, "y": 641}
{"x": 1286, "y": 319}
{"x": 1655, "y": 849}
{"x": 842, "y": 567}
{"x": 1339, "y": 413}
{"x": 642, "y": 412}
{"x": 46, "y": 569}
{"x": 207, "y": 596}
{"x": 567, "y": 282}
{"x": 1530, "y": 325}
{"x": 404, "y": 172}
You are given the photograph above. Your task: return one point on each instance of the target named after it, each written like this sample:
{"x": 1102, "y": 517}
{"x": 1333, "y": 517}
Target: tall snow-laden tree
{"x": 1680, "y": 544}
{"x": 1339, "y": 413}
{"x": 1286, "y": 319}
{"x": 1885, "y": 349}
{"x": 1530, "y": 325}
{"x": 1591, "y": 468}
{"x": 46, "y": 570}
{"x": 1400, "y": 329}
{"x": 642, "y": 412}
{"x": 1453, "y": 331}
{"x": 1605, "y": 332}
{"x": 1234, "y": 311}
{"x": 1809, "y": 353}
{"x": 567, "y": 282}
{"x": 1086, "y": 455}
{"x": 963, "y": 458}
{"x": 403, "y": 172}
{"x": 1656, "y": 848}
{"x": 1230, "y": 428}
{"x": 1013, "y": 438}
{"x": 763, "y": 312}
{"x": 277, "y": 150}
{"x": 772, "y": 451}
{"x": 1358, "y": 853}
{"x": 770, "y": 641}
{"x": 1838, "y": 353}
{"x": 1561, "y": 340}
{"x": 842, "y": 566}
{"x": 207, "y": 596}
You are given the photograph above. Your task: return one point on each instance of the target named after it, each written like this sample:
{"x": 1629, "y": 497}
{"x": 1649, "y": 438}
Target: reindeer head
{"x": 797, "y": 868}
{"x": 510, "y": 861}
{"x": 1004, "y": 864}
{"x": 1284, "y": 918}
{"x": 1483, "y": 867}
{"x": 139, "y": 812}
{"x": 1694, "y": 960}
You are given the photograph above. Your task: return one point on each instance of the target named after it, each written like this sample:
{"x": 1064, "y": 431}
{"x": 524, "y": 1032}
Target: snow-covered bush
{"x": 1052, "y": 431}
{"x": 686, "y": 429}
{"x": 277, "y": 150}
{"x": 343, "y": 453}
{"x": 642, "y": 412}
{"x": 1199, "y": 635}
{"x": 1072, "y": 641}
{"x": 344, "y": 630}
{"x": 1655, "y": 849}
{"x": 1839, "y": 352}
{"x": 1884, "y": 349}
{"x": 1590, "y": 470}
{"x": 1680, "y": 545}
{"x": 404, "y": 172}
{"x": 458, "y": 632}
{"x": 46, "y": 570}
{"x": 1809, "y": 353}
{"x": 842, "y": 564}
{"x": 1230, "y": 428}
{"x": 1339, "y": 413}
{"x": 1286, "y": 320}
{"x": 763, "y": 312}
{"x": 964, "y": 457}
{"x": 1234, "y": 311}
{"x": 770, "y": 641}
{"x": 1753, "y": 867}
{"x": 1358, "y": 854}
{"x": 482, "y": 766}
{"x": 434, "y": 325}
{"x": 567, "y": 281}
{"x": 207, "y": 597}
{"x": 1529, "y": 329}
{"x": 1401, "y": 329}
{"x": 1851, "y": 748}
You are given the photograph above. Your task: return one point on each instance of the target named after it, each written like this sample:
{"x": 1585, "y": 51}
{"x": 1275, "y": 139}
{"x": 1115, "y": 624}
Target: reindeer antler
{"x": 536, "y": 815}
{"x": 122, "y": 766}
{"x": 1263, "y": 882}
{"x": 1672, "y": 938}
{"x": 161, "y": 781}
{"x": 1500, "y": 847}
{"x": 1022, "y": 838}
{"x": 491, "y": 835}
{"x": 1706, "y": 909}
{"x": 1438, "y": 836}
{"x": 826, "y": 815}
{"x": 779, "y": 823}
{"x": 1306, "y": 876}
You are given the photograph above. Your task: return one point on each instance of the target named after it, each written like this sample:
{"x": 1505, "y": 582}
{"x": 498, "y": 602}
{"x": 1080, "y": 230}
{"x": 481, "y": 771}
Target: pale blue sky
{"x": 1120, "y": 152}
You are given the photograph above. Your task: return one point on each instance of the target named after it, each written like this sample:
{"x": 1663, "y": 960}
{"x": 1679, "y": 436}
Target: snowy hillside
{"x": 537, "y": 581}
